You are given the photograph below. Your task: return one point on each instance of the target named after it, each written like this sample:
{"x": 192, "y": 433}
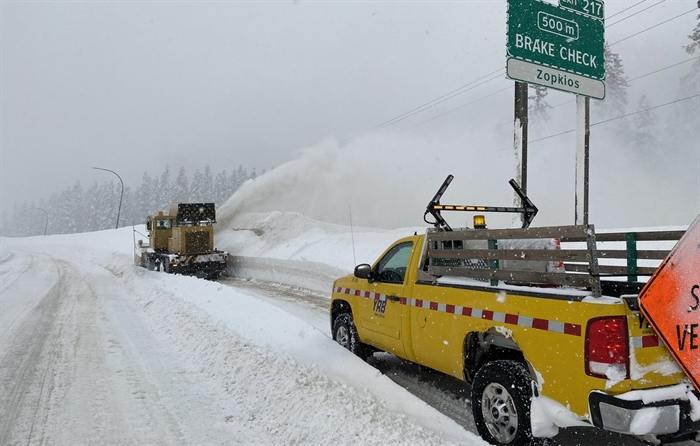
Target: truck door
{"x": 381, "y": 309}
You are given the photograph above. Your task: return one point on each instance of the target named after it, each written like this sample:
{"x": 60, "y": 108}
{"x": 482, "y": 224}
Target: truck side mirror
{"x": 148, "y": 225}
{"x": 363, "y": 271}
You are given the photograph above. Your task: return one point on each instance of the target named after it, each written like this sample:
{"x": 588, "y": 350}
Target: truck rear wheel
{"x": 345, "y": 334}
{"x": 501, "y": 396}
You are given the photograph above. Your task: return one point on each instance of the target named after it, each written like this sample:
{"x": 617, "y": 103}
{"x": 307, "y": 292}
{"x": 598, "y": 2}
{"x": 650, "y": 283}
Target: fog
{"x": 136, "y": 86}
{"x": 386, "y": 180}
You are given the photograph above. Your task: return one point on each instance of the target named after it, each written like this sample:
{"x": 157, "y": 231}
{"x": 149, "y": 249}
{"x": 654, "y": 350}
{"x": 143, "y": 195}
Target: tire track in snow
{"x": 24, "y": 369}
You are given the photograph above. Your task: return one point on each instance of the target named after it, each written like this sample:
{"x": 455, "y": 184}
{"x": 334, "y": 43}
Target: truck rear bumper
{"x": 639, "y": 413}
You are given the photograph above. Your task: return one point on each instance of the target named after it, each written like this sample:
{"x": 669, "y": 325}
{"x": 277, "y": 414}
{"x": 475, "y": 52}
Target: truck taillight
{"x": 607, "y": 348}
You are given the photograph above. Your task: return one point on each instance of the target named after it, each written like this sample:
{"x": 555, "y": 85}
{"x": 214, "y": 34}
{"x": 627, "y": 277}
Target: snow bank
{"x": 290, "y": 248}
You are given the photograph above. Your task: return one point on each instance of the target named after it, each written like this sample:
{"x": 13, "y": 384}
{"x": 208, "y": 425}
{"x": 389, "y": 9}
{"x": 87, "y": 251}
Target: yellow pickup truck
{"x": 543, "y": 323}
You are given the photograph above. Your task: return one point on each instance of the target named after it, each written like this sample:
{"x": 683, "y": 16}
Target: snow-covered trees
{"x": 537, "y": 104}
{"x": 181, "y": 187}
{"x": 79, "y": 210}
{"x": 615, "y": 102}
{"x": 645, "y": 137}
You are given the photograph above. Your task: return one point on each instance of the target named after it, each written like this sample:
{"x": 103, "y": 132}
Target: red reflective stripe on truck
{"x": 490, "y": 315}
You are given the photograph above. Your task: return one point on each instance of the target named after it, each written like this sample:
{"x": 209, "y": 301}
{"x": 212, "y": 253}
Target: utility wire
{"x": 613, "y": 119}
{"x": 626, "y": 9}
{"x": 434, "y": 101}
{"x": 643, "y": 75}
{"x": 662, "y": 69}
{"x": 457, "y": 91}
{"x": 455, "y": 109}
{"x": 652, "y": 27}
{"x": 647, "y": 109}
{"x": 632, "y": 15}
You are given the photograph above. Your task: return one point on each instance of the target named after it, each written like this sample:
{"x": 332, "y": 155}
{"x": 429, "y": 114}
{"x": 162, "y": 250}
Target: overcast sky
{"x": 133, "y": 86}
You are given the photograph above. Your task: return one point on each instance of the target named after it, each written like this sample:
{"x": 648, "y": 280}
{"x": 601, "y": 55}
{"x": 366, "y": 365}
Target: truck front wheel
{"x": 345, "y": 334}
{"x": 501, "y": 396}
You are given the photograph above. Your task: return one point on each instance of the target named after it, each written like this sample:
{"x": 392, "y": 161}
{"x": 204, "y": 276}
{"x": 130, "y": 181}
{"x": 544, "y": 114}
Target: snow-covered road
{"x": 97, "y": 351}
{"x": 80, "y": 365}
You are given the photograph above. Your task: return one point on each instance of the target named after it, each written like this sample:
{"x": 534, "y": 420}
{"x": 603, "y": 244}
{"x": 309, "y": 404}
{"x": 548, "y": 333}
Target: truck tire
{"x": 345, "y": 334}
{"x": 501, "y": 396}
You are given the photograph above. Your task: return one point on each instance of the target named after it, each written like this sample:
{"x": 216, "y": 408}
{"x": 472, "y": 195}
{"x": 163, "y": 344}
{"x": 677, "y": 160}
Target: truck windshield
{"x": 392, "y": 267}
{"x": 164, "y": 224}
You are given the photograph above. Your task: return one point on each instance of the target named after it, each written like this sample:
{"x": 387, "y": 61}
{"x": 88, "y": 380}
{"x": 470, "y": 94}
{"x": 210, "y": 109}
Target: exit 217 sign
{"x": 671, "y": 302}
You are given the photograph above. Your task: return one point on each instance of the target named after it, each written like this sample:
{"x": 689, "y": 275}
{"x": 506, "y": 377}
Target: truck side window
{"x": 392, "y": 267}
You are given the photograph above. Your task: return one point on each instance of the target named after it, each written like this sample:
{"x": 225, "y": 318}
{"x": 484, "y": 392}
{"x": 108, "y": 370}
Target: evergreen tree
{"x": 615, "y": 102}
{"x": 646, "y": 133}
{"x": 197, "y": 189}
{"x": 242, "y": 176}
{"x": 694, "y": 37}
{"x": 207, "y": 185}
{"x": 93, "y": 207}
{"x": 221, "y": 188}
{"x": 537, "y": 104}
{"x": 691, "y": 81}
{"x": 77, "y": 210}
{"x": 144, "y": 195}
{"x": 164, "y": 192}
{"x": 181, "y": 187}
{"x": 108, "y": 205}
{"x": 685, "y": 115}
{"x": 5, "y": 226}
{"x": 128, "y": 216}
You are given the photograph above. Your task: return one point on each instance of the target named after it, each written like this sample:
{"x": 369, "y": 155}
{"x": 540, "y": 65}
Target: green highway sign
{"x": 567, "y": 40}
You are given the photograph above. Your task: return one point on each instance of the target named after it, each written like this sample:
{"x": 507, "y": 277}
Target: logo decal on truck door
{"x": 379, "y": 305}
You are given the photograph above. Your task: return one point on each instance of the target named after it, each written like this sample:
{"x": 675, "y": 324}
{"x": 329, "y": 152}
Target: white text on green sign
{"x": 593, "y": 8}
{"x": 551, "y": 36}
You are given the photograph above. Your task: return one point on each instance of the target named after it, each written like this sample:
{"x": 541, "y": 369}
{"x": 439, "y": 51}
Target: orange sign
{"x": 671, "y": 302}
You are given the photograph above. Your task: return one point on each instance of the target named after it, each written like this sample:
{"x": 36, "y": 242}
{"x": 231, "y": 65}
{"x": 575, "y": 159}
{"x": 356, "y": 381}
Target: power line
{"x": 662, "y": 69}
{"x": 652, "y": 27}
{"x": 613, "y": 119}
{"x": 626, "y": 9}
{"x": 643, "y": 75}
{"x": 632, "y": 15}
{"x": 455, "y": 109}
{"x": 647, "y": 109}
{"x": 432, "y": 103}
{"x": 457, "y": 91}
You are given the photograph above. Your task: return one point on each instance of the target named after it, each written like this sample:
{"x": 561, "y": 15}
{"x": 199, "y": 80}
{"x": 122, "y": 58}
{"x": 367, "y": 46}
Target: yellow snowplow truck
{"x": 182, "y": 242}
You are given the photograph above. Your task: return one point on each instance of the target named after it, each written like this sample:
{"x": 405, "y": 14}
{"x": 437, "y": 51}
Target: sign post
{"x": 561, "y": 47}
{"x": 671, "y": 302}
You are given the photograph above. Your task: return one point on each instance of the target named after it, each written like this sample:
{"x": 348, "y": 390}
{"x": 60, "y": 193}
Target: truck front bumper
{"x": 640, "y": 413}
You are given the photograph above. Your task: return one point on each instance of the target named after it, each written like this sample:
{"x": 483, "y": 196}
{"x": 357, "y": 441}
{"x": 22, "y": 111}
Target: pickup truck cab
{"x": 527, "y": 318}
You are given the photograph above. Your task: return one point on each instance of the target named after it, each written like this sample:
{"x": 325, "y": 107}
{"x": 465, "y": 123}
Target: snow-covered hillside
{"x": 290, "y": 248}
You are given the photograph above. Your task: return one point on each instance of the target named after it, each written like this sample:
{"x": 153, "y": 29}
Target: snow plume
{"x": 384, "y": 180}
